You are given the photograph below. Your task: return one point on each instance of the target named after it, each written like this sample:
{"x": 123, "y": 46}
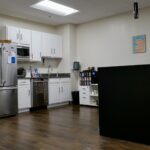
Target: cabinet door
{"x": 54, "y": 93}
{"x": 12, "y": 34}
{"x": 65, "y": 92}
{"x": 58, "y": 46}
{"x": 25, "y": 36}
{"x": 46, "y": 48}
{"x": 24, "y": 96}
{"x": 36, "y": 45}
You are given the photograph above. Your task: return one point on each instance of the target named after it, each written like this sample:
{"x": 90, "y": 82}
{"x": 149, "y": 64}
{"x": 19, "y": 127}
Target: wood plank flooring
{"x": 65, "y": 128}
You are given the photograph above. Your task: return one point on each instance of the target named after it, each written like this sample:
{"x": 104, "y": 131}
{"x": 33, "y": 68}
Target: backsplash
{"x": 53, "y": 65}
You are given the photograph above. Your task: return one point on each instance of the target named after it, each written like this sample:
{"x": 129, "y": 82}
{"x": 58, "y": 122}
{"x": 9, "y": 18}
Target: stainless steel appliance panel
{"x": 23, "y": 53}
{"x": 39, "y": 93}
{"x": 8, "y": 101}
{"x": 8, "y": 71}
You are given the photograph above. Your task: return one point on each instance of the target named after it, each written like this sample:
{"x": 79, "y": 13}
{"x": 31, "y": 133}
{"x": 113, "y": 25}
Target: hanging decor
{"x": 136, "y": 10}
{"x": 139, "y": 44}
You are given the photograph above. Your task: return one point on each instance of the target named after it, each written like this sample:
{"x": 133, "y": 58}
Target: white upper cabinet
{"x": 25, "y": 36}
{"x": 12, "y": 33}
{"x": 57, "y": 46}
{"x": 52, "y": 45}
{"x": 36, "y": 45}
{"x": 17, "y": 35}
{"x": 41, "y": 44}
{"x": 46, "y": 49}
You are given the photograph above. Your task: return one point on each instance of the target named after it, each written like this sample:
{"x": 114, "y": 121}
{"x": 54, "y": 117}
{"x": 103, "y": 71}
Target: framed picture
{"x": 139, "y": 44}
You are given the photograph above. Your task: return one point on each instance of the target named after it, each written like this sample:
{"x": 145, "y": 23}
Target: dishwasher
{"x": 39, "y": 89}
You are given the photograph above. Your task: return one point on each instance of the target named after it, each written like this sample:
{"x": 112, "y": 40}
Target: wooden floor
{"x": 66, "y": 128}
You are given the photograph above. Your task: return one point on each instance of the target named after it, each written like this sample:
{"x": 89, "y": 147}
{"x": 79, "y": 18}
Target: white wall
{"x": 108, "y": 42}
{"x": 12, "y": 21}
{"x": 68, "y": 33}
{"x": 73, "y": 57}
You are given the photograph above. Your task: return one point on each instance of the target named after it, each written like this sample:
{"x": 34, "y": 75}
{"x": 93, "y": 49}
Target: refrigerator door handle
{"x": 3, "y": 82}
{"x": 9, "y": 88}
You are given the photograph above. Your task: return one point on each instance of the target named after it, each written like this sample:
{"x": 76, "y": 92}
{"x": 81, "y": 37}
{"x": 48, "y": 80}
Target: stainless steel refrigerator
{"x": 8, "y": 80}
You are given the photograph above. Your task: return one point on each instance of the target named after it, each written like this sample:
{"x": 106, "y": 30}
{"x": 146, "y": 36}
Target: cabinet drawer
{"x": 56, "y": 80}
{"x": 65, "y": 80}
{"x": 23, "y": 82}
{"x": 84, "y": 94}
{"x": 84, "y": 89}
{"x": 84, "y": 98}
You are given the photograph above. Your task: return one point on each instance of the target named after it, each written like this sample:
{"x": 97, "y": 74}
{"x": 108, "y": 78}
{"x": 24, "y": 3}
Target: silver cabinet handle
{"x": 17, "y": 36}
{"x": 21, "y": 36}
{"x": 59, "y": 89}
{"x": 84, "y": 97}
{"x": 21, "y": 83}
{"x": 62, "y": 89}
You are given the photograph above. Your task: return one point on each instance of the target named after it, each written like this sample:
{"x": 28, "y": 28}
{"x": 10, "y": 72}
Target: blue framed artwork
{"x": 139, "y": 44}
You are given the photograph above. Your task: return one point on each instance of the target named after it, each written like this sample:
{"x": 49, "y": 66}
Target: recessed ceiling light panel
{"x": 55, "y": 8}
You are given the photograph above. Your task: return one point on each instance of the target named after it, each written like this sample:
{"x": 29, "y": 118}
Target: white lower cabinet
{"x": 89, "y": 95}
{"x": 84, "y": 95}
{"x": 24, "y": 94}
{"x": 59, "y": 90}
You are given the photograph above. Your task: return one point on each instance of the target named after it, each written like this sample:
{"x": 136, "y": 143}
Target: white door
{"x": 54, "y": 93}
{"x": 24, "y": 96}
{"x": 52, "y": 45}
{"x": 64, "y": 92}
{"x": 58, "y": 46}
{"x": 13, "y": 34}
{"x": 36, "y": 45}
{"x": 46, "y": 48}
{"x": 25, "y": 36}
{"x": 68, "y": 91}
{"x": 65, "y": 89}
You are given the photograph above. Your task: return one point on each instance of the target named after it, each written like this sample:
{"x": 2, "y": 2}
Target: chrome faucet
{"x": 49, "y": 66}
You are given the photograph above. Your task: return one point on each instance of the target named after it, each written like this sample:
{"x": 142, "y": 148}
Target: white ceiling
{"x": 89, "y": 10}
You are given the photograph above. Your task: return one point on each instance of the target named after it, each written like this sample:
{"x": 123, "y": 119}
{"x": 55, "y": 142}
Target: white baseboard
{"x": 58, "y": 104}
{"x": 23, "y": 110}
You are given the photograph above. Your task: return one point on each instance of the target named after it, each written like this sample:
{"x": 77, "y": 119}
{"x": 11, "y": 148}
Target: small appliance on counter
{"x": 21, "y": 72}
{"x": 35, "y": 73}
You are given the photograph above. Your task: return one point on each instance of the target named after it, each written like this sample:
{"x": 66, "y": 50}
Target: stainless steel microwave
{"x": 23, "y": 53}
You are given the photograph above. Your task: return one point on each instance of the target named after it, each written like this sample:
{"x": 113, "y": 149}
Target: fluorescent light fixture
{"x": 55, "y": 8}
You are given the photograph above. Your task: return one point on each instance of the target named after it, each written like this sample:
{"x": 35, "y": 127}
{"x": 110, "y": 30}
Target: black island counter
{"x": 124, "y": 102}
